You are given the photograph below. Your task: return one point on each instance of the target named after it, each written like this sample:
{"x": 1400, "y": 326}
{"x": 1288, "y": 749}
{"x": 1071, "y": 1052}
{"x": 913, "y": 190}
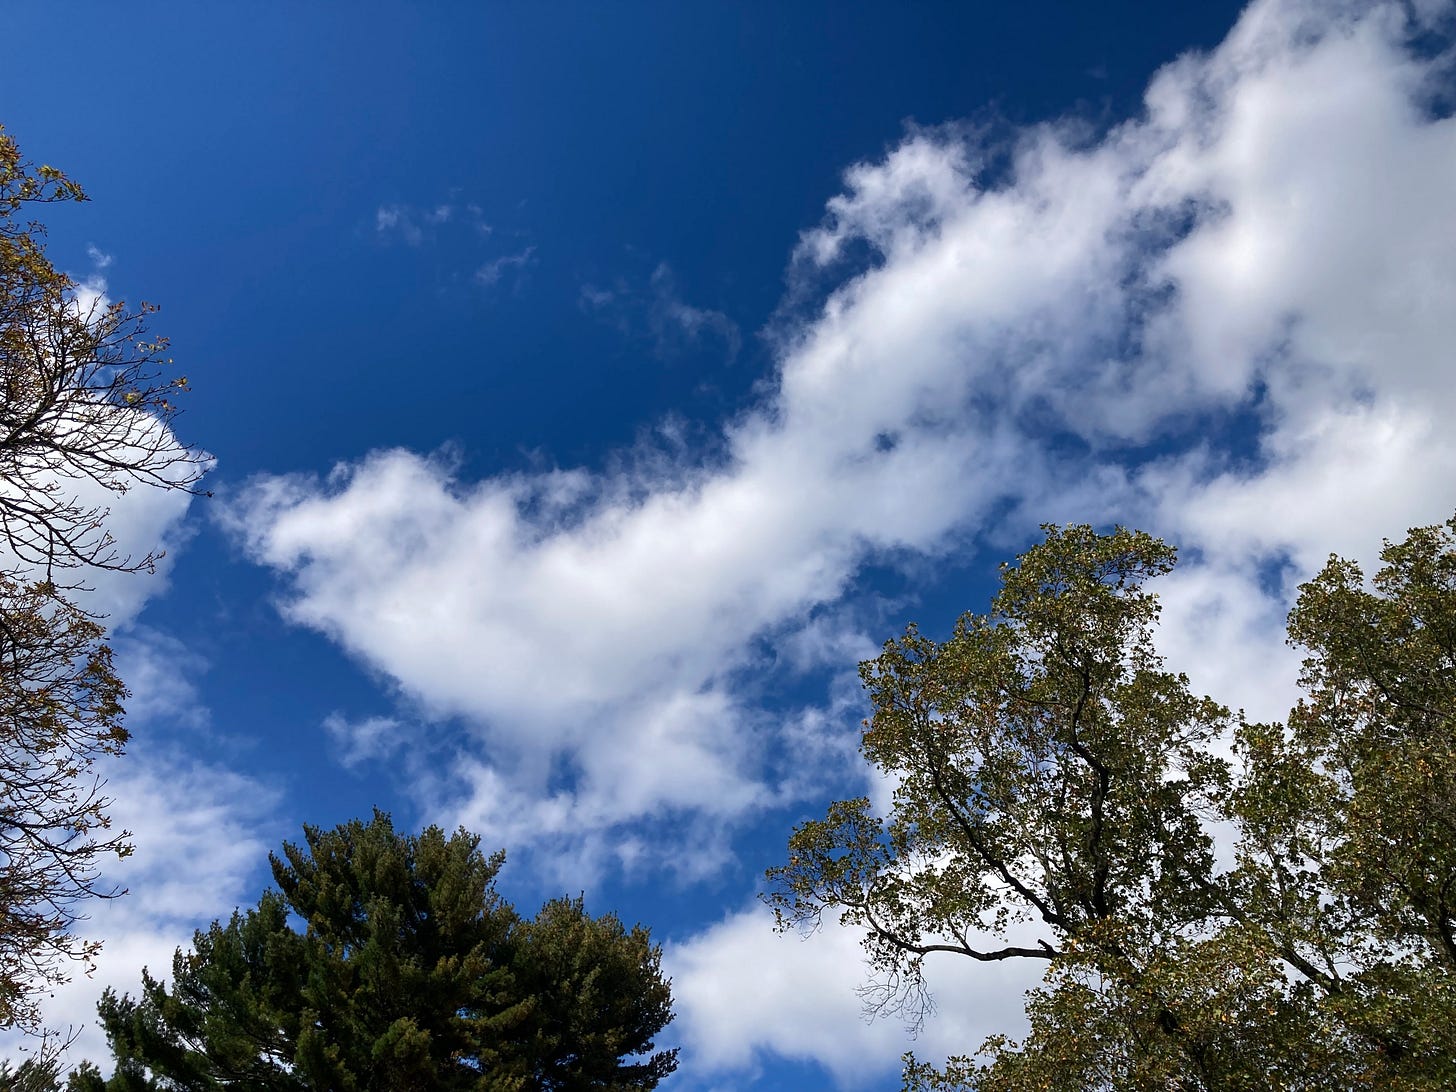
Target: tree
{"x": 84, "y": 398}
{"x": 410, "y": 973}
{"x": 84, "y": 408}
{"x": 60, "y": 709}
{"x": 1056, "y": 797}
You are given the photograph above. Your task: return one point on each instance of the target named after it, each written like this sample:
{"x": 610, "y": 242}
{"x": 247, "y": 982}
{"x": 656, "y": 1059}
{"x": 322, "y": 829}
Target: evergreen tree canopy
{"x": 1219, "y": 904}
{"x": 389, "y": 962}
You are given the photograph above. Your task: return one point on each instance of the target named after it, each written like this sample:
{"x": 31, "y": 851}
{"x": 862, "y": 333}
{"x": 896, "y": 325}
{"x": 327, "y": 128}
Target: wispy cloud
{"x": 161, "y": 674}
{"x": 673, "y": 320}
{"x": 392, "y": 220}
{"x": 416, "y": 225}
{"x": 657, "y": 312}
{"x": 490, "y": 274}
{"x": 364, "y": 740}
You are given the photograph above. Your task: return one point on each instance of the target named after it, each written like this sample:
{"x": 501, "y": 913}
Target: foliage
{"x": 84, "y": 408}
{"x": 410, "y": 973}
{"x": 1057, "y": 795}
{"x": 60, "y": 708}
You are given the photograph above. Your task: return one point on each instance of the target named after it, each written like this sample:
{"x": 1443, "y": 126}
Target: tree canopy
{"x": 389, "y": 962}
{"x": 85, "y": 410}
{"x": 1218, "y": 903}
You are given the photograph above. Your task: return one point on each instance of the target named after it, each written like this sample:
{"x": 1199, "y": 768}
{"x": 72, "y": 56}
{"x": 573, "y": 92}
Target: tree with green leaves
{"x": 85, "y": 411}
{"x": 1057, "y": 795}
{"x": 389, "y": 962}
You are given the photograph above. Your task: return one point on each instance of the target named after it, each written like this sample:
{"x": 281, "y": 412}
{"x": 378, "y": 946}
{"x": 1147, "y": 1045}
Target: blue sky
{"x": 592, "y": 387}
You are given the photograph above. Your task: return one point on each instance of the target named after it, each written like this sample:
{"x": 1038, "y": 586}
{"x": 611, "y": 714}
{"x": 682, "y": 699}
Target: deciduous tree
{"x": 1057, "y": 794}
{"x": 85, "y": 396}
{"x": 60, "y": 709}
{"x": 85, "y": 407}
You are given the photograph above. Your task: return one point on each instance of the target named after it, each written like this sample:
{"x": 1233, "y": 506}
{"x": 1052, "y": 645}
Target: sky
{"x": 591, "y": 387}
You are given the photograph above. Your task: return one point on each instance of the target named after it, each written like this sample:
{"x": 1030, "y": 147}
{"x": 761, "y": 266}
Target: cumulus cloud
{"x": 744, "y": 992}
{"x": 1226, "y": 320}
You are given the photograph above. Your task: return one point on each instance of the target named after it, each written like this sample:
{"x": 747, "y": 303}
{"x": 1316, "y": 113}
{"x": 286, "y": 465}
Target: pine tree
{"x": 410, "y": 972}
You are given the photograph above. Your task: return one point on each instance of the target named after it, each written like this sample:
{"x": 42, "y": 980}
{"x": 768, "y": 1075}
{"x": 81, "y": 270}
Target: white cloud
{"x": 826, "y": 641}
{"x": 202, "y": 835}
{"x": 742, "y": 991}
{"x": 161, "y": 675}
{"x": 140, "y": 520}
{"x": 594, "y": 298}
{"x": 131, "y": 517}
{"x": 1227, "y": 320}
